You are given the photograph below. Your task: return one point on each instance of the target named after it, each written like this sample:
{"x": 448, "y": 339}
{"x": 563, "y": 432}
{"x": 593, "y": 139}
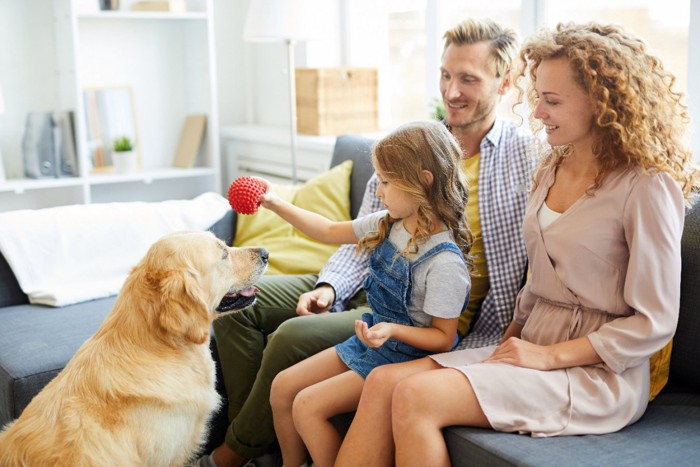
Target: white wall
{"x": 253, "y": 82}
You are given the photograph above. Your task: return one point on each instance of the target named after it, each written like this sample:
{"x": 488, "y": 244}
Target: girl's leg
{"x": 286, "y": 386}
{"x": 423, "y": 405}
{"x": 315, "y": 405}
{"x": 369, "y": 440}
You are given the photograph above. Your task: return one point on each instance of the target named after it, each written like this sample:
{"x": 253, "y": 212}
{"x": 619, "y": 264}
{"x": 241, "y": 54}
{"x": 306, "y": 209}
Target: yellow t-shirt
{"x": 480, "y": 273}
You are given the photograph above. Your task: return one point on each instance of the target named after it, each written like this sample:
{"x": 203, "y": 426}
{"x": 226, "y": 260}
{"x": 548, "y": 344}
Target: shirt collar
{"x": 494, "y": 134}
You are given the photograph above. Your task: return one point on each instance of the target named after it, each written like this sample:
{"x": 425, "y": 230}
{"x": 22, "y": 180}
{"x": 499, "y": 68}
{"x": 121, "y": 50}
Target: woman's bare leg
{"x": 424, "y": 404}
{"x": 369, "y": 441}
{"x": 285, "y": 388}
{"x": 315, "y": 405}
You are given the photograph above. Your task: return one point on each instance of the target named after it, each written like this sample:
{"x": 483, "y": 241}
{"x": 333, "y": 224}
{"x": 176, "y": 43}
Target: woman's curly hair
{"x": 640, "y": 121}
{"x": 402, "y": 156}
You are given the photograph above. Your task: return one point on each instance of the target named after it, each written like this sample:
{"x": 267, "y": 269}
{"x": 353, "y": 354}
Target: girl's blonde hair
{"x": 402, "y": 156}
{"x": 639, "y": 120}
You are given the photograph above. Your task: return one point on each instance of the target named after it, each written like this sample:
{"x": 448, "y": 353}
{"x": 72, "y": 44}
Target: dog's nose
{"x": 264, "y": 255}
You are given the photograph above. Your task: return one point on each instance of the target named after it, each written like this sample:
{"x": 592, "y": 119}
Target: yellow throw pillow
{"x": 292, "y": 252}
{"x": 264, "y": 223}
{"x": 659, "y": 365}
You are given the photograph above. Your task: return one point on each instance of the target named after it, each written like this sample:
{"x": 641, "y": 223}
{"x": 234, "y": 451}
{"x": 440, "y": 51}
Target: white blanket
{"x": 71, "y": 254}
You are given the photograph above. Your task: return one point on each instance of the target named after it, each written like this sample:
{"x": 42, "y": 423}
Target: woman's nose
{"x": 539, "y": 113}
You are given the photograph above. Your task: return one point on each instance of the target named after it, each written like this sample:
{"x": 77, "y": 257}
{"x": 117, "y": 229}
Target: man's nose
{"x": 451, "y": 90}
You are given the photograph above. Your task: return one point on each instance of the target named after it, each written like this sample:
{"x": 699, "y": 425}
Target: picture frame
{"x": 110, "y": 113}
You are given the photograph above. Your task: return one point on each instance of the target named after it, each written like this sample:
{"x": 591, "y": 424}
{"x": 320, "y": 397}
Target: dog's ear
{"x": 183, "y": 310}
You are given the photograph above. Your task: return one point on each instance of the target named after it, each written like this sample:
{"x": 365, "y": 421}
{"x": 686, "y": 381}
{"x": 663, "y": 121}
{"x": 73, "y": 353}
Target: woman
{"x": 602, "y": 229}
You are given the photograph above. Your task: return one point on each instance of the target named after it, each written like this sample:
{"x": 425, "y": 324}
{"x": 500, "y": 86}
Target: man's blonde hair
{"x": 504, "y": 41}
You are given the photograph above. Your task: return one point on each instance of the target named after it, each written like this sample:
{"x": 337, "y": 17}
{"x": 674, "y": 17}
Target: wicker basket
{"x": 334, "y": 101}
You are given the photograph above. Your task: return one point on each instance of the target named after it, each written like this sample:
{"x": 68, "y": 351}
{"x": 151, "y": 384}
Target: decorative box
{"x": 334, "y": 101}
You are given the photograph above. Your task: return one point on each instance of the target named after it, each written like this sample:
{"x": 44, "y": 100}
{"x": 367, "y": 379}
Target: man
{"x": 475, "y": 73}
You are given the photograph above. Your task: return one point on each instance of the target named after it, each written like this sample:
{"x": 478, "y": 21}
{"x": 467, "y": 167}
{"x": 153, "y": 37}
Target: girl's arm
{"x": 440, "y": 337}
{"x": 309, "y": 223}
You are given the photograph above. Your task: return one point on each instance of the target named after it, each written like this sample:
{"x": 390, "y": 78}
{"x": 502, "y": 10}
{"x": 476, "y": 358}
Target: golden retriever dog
{"x": 141, "y": 390}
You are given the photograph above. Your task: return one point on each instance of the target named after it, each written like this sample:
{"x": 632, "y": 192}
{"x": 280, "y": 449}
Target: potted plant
{"x": 124, "y": 157}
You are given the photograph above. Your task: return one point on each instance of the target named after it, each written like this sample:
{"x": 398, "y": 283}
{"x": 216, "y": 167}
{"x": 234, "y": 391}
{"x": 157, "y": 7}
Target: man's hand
{"x": 316, "y": 301}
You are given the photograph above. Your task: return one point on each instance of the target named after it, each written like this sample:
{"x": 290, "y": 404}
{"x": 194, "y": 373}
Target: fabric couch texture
{"x": 35, "y": 343}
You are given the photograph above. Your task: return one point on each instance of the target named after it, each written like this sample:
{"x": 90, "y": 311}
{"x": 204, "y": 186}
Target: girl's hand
{"x": 375, "y": 336}
{"x": 518, "y": 352}
{"x": 267, "y": 199}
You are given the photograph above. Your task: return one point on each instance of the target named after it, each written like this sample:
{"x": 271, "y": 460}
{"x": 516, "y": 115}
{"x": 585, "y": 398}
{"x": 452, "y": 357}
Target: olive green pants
{"x": 257, "y": 343}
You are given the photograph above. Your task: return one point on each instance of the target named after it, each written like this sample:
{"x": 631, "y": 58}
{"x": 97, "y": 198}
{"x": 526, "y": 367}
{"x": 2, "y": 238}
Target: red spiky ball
{"x": 244, "y": 195}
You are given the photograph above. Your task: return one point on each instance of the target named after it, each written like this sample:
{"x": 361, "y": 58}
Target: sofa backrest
{"x": 686, "y": 343}
{"x": 359, "y": 150}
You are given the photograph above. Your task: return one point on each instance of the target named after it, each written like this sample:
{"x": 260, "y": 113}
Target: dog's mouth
{"x": 238, "y": 300}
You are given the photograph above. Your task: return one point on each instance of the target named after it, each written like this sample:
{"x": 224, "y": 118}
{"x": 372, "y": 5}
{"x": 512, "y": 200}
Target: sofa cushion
{"x": 37, "y": 342}
{"x": 292, "y": 252}
{"x": 665, "y": 435}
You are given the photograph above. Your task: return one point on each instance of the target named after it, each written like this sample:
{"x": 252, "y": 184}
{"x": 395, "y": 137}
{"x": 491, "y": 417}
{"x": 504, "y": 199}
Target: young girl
{"x": 417, "y": 287}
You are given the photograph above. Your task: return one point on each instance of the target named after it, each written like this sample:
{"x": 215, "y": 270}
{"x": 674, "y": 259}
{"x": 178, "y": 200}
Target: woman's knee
{"x": 380, "y": 380}
{"x": 408, "y": 398}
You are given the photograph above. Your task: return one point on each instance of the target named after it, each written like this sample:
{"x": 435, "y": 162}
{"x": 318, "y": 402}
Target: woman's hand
{"x": 375, "y": 336}
{"x": 567, "y": 354}
{"x": 518, "y": 352}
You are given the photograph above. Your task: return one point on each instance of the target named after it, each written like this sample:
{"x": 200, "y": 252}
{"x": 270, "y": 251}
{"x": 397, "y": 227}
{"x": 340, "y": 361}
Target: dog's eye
{"x": 225, "y": 254}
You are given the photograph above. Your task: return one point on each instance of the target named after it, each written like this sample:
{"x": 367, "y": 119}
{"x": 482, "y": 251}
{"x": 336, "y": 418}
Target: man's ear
{"x": 506, "y": 83}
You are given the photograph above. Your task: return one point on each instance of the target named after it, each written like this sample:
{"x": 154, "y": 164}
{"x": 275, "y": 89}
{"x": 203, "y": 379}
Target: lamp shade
{"x": 281, "y": 20}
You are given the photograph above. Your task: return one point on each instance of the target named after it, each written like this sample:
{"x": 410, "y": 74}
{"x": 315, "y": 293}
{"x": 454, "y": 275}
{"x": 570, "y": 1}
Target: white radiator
{"x": 265, "y": 152}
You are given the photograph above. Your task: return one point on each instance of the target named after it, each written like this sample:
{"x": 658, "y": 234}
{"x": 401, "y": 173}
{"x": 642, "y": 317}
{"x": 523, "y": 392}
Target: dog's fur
{"x": 141, "y": 390}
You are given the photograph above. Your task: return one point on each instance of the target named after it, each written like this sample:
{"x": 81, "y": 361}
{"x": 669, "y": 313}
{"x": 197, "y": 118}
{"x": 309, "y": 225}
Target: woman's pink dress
{"x": 608, "y": 268}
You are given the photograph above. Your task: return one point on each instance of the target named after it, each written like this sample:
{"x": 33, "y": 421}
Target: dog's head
{"x": 191, "y": 275}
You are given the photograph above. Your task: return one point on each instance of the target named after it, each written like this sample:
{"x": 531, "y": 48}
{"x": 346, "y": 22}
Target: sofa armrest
{"x": 225, "y": 228}
{"x": 10, "y": 291}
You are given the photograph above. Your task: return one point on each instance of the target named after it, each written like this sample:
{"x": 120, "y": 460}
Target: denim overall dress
{"x": 388, "y": 289}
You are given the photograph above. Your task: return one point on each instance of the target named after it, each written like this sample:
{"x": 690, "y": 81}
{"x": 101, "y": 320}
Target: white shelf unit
{"x": 53, "y": 50}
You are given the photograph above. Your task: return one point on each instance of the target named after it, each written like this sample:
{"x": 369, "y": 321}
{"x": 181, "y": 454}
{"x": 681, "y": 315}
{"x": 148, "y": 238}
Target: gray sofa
{"x": 36, "y": 342}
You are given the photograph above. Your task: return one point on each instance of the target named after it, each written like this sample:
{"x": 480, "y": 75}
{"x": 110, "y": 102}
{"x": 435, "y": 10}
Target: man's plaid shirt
{"x": 505, "y": 171}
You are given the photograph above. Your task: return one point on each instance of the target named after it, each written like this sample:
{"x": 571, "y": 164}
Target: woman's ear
{"x": 427, "y": 177}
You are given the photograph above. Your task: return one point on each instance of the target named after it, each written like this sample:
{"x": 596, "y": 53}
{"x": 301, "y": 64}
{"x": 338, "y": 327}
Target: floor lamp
{"x": 287, "y": 21}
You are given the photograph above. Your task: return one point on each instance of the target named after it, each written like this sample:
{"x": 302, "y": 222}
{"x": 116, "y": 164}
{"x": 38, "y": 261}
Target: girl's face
{"x": 399, "y": 203}
{"x": 563, "y": 106}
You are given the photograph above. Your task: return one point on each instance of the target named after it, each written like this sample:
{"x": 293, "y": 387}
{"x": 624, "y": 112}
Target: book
{"x": 190, "y": 140}
{"x": 175, "y": 6}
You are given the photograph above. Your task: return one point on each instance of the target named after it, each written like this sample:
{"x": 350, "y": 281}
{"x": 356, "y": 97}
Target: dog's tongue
{"x": 248, "y": 292}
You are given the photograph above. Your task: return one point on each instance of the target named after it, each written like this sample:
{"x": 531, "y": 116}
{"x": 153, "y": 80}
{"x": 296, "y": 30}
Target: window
{"x": 403, "y": 39}
{"x": 663, "y": 25}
